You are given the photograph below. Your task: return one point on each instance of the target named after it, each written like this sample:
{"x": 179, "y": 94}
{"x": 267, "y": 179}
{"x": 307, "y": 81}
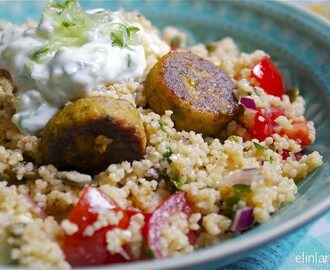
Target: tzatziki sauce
{"x": 50, "y": 68}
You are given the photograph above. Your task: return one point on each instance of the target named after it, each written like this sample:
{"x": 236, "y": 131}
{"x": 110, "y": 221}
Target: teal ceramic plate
{"x": 300, "y": 41}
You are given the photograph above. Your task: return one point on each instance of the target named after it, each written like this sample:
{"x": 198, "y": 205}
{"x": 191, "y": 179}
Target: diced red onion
{"x": 298, "y": 155}
{"x": 35, "y": 207}
{"x": 243, "y": 219}
{"x": 244, "y": 176}
{"x": 248, "y": 103}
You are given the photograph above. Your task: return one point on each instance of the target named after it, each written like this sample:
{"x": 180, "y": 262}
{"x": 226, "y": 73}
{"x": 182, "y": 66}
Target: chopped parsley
{"x": 260, "y": 147}
{"x": 147, "y": 252}
{"x": 132, "y": 29}
{"x": 272, "y": 147}
{"x": 161, "y": 125}
{"x": 118, "y": 39}
{"x": 233, "y": 138}
{"x": 68, "y": 24}
{"x": 59, "y": 7}
{"x": 40, "y": 53}
{"x": 72, "y": 25}
{"x": 178, "y": 183}
{"x": 167, "y": 155}
{"x": 241, "y": 188}
{"x": 123, "y": 36}
{"x": 230, "y": 202}
{"x": 240, "y": 191}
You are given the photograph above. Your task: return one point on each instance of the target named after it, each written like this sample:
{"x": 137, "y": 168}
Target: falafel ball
{"x": 91, "y": 133}
{"x": 199, "y": 93}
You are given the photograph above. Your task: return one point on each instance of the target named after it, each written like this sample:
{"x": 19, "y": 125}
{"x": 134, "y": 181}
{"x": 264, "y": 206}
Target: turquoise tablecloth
{"x": 306, "y": 249}
{"x": 315, "y": 242}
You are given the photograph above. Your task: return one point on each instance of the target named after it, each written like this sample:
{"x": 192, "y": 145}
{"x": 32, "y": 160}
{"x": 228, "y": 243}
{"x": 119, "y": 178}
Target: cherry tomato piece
{"x": 175, "y": 204}
{"x": 263, "y": 125}
{"x": 299, "y": 133}
{"x": 276, "y": 112}
{"x": 91, "y": 201}
{"x": 268, "y": 77}
{"x": 264, "y": 122}
{"x": 80, "y": 249}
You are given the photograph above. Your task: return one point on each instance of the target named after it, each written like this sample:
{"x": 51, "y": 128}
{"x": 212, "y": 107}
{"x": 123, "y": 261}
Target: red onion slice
{"x": 244, "y": 176}
{"x": 35, "y": 207}
{"x": 248, "y": 103}
{"x": 243, "y": 219}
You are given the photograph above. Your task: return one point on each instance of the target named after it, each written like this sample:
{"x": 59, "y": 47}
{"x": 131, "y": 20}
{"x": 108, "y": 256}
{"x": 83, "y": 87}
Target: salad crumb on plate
{"x": 119, "y": 144}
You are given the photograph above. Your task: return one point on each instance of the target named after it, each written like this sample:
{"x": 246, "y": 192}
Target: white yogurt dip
{"x": 70, "y": 53}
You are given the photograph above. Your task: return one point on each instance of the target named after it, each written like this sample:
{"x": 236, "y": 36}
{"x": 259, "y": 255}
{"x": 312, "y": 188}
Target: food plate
{"x": 300, "y": 41}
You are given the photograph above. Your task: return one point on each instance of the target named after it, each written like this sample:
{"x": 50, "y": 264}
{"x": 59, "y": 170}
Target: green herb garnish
{"x": 259, "y": 146}
{"x": 72, "y": 25}
{"x": 59, "y": 7}
{"x": 263, "y": 148}
{"x": 293, "y": 93}
{"x": 241, "y": 188}
{"x": 147, "y": 252}
{"x": 233, "y": 138}
{"x": 161, "y": 125}
{"x": 167, "y": 155}
{"x": 132, "y": 29}
{"x": 123, "y": 36}
{"x": 240, "y": 191}
{"x": 117, "y": 39}
{"x": 231, "y": 201}
{"x": 178, "y": 183}
{"x": 68, "y": 24}
{"x": 40, "y": 53}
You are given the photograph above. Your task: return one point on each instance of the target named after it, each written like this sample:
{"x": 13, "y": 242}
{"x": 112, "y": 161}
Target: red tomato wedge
{"x": 299, "y": 132}
{"x": 264, "y": 122}
{"x": 175, "y": 204}
{"x": 268, "y": 77}
{"x": 91, "y": 250}
{"x": 91, "y": 201}
{"x": 263, "y": 125}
